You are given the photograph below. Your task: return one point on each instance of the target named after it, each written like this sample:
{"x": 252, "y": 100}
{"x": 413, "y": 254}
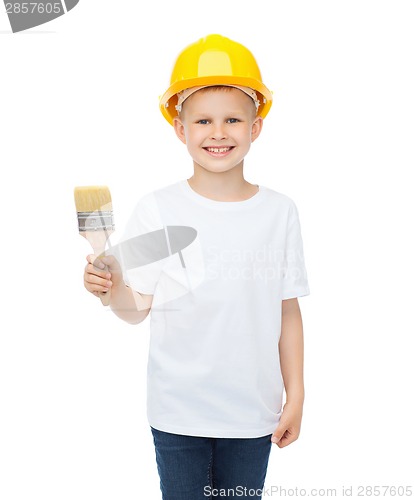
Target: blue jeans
{"x": 201, "y": 468}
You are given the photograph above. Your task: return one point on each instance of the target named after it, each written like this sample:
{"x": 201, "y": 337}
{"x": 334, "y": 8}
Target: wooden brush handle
{"x": 98, "y": 239}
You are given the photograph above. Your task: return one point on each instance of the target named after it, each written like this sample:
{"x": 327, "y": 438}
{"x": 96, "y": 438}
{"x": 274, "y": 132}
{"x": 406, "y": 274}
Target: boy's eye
{"x": 204, "y": 121}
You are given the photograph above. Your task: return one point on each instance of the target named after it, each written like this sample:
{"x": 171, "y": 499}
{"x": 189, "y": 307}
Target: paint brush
{"x": 95, "y": 220}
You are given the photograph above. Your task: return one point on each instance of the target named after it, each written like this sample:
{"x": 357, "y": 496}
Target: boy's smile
{"x": 219, "y": 152}
{"x": 218, "y": 125}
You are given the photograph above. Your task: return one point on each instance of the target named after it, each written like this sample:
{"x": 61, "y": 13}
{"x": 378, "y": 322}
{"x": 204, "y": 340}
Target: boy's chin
{"x": 216, "y": 169}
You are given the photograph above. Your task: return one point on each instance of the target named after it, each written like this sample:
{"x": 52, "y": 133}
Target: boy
{"x": 226, "y": 327}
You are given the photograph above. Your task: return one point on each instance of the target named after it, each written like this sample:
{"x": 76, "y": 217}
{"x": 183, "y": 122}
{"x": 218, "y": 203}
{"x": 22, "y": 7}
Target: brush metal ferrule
{"x": 96, "y": 221}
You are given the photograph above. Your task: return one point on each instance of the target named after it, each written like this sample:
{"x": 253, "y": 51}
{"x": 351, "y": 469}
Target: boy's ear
{"x": 179, "y": 129}
{"x": 257, "y": 127}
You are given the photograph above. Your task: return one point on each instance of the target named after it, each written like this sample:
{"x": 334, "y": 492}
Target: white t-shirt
{"x": 218, "y": 282}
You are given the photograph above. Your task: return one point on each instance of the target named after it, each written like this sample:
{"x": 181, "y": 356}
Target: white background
{"x": 79, "y": 106}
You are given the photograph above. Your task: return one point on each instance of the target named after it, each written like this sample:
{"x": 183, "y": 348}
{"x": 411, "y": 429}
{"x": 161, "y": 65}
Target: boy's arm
{"x": 291, "y": 351}
{"x": 126, "y": 303}
{"x": 291, "y": 364}
{"x": 129, "y": 305}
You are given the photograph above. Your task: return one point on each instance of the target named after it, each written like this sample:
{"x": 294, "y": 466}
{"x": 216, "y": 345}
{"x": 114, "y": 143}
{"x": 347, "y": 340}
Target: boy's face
{"x": 218, "y": 127}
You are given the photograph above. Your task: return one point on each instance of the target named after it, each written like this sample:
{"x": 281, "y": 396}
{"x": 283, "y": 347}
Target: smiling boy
{"x": 226, "y": 327}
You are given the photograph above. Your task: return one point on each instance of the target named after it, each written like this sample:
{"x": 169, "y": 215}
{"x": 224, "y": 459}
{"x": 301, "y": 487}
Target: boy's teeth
{"x": 218, "y": 150}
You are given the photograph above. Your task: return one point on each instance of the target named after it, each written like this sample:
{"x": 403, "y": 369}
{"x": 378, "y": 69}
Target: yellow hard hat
{"x": 214, "y": 60}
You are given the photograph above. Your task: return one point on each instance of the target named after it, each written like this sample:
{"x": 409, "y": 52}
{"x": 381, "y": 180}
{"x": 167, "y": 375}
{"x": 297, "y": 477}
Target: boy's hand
{"x": 289, "y": 425}
{"x": 97, "y": 279}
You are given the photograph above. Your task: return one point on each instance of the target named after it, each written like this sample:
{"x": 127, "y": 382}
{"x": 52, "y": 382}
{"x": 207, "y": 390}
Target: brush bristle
{"x": 93, "y": 198}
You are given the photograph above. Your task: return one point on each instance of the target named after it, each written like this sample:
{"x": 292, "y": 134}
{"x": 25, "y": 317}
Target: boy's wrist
{"x": 295, "y": 397}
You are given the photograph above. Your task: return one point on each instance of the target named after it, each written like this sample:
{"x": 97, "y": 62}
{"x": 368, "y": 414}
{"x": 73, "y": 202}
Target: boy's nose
{"x": 218, "y": 132}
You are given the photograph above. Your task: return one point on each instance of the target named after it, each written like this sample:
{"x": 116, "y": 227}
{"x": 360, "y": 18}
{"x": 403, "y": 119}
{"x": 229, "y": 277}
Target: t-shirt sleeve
{"x": 141, "y": 265}
{"x": 295, "y": 280}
